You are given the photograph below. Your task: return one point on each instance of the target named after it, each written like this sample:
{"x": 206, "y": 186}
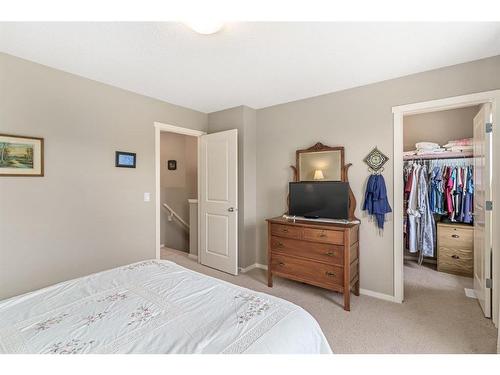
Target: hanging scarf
{"x": 376, "y": 202}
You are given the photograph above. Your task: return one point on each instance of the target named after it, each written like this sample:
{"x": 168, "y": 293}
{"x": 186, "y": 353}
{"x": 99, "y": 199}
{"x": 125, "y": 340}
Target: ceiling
{"x": 253, "y": 64}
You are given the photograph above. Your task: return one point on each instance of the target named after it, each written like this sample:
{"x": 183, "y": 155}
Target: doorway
{"x": 179, "y": 192}
{"x": 216, "y": 215}
{"x": 402, "y": 112}
{"x": 160, "y": 129}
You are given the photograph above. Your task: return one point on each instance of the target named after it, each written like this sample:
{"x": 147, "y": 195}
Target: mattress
{"x": 155, "y": 306}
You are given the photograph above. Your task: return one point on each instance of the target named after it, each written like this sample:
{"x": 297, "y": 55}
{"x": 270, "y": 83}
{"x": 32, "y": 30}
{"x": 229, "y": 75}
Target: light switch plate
{"x": 147, "y": 197}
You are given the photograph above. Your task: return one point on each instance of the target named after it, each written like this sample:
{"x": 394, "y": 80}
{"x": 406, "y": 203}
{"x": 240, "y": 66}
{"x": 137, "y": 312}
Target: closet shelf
{"x": 443, "y": 155}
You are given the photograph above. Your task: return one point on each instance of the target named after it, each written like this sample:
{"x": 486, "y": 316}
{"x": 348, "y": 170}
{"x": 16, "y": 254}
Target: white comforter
{"x": 155, "y": 307}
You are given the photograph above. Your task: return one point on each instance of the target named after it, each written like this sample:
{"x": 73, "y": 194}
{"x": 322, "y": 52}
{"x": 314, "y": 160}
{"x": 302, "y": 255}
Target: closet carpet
{"x": 437, "y": 317}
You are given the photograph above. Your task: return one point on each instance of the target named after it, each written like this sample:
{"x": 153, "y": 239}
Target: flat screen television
{"x": 319, "y": 199}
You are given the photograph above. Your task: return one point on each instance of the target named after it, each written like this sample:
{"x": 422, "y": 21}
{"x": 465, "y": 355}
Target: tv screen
{"x": 319, "y": 199}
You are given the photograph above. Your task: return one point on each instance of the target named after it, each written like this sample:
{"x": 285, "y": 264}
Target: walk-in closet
{"x": 439, "y": 189}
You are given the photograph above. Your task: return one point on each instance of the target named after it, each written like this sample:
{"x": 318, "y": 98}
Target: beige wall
{"x": 177, "y": 186}
{"x": 244, "y": 119}
{"x": 438, "y": 127}
{"x": 85, "y": 215}
{"x": 357, "y": 119}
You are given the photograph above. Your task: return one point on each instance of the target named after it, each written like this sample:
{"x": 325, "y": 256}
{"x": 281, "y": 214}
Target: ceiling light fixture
{"x": 205, "y": 27}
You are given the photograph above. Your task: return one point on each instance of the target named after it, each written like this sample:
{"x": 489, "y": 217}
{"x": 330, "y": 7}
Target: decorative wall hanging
{"x": 21, "y": 156}
{"x": 375, "y": 161}
{"x": 125, "y": 159}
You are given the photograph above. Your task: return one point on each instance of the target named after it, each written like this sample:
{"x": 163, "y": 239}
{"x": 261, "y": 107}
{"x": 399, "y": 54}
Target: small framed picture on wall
{"x": 125, "y": 159}
{"x": 172, "y": 165}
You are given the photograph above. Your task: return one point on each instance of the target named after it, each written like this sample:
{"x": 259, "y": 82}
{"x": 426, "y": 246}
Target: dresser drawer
{"x": 324, "y": 235}
{"x": 456, "y": 260}
{"x": 455, "y": 249}
{"x": 286, "y": 231}
{"x": 332, "y": 254}
{"x": 455, "y": 237}
{"x": 308, "y": 271}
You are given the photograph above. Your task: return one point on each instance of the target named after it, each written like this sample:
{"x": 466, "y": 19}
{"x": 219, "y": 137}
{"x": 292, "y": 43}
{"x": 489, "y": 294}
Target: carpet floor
{"x": 435, "y": 318}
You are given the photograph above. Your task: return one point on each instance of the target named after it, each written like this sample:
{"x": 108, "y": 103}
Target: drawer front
{"x": 320, "y": 274}
{"x": 326, "y": 236}
{"x": 332, "y": 254}
{"x": 286, "y": 231}
{"x": 455, "y": 260}
{"x": 456, "y": 237}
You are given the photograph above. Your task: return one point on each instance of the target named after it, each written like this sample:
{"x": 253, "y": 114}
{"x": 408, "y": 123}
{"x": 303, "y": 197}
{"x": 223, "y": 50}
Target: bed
{"x": 155, "y": 306}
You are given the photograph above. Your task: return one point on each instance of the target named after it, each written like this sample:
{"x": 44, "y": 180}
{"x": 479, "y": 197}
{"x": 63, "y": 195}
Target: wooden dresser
{"x": 321, "y": 254}
{"x": 455, "y": 249}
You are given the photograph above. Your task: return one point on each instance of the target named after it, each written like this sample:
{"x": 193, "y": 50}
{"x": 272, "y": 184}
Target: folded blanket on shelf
{"x": 433, "y": 151}
{"x": 459, "y": 142}
{"x": 426, "y": 145}
{"x": 410, "y": 153}
{"x": 461, "y": 148}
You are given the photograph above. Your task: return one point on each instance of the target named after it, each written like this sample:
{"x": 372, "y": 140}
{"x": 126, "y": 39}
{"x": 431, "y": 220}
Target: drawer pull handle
{"x": 455, "y": 236}
{"x": 285, "y": 230}
{"x": 280, "y": 244}
{"x": 331, "y": 274}
{"x": 322, "y": 235}
{"x": 281, "y": 264}
{"x": 455, "y": 256}
{"x": 330, "y": 253}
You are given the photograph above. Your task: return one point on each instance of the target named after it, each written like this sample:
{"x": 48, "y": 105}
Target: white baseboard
{"x": 252, "y": 266}
{"x": 162, "y": 245}
{"x": 382, "y": 296}
{"x": 195, "y": 257}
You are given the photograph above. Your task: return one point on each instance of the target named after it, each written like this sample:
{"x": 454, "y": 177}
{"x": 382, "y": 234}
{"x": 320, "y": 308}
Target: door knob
{"x": 231, "y": 209}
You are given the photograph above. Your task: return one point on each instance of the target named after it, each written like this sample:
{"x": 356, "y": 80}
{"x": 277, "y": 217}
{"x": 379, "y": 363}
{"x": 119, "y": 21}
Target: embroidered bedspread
{"x": 155, "y": 306}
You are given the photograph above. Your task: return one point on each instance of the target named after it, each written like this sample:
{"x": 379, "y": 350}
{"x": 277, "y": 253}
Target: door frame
{"x": 399, "y": 112}
{"x": 160, "y": 127}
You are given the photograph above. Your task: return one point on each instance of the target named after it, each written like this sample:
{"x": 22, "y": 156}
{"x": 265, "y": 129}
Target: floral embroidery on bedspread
{"x": 113, "y": 297}
{"x": 140, "y": 315}
{"x": 256, "y": 306}
{"x": 95, "y": 317}
{"x": 46, "y": 324}
{"x": 250, "y": 337}
{"x": 73, "y": 346}
{"x": 144, "y": 264}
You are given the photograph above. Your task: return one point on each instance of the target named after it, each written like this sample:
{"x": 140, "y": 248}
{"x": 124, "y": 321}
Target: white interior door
{"x": 482, "y": 217}
{"x": 219, "y": 201}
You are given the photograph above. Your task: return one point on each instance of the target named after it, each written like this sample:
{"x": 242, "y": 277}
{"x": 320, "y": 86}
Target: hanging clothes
{"x": 376, "y": 202}
{"x": 427, "y": 235}
{"x": 469, "y": 194}
{"x": 413, "y": 212}
{"x": 444, "y": 188}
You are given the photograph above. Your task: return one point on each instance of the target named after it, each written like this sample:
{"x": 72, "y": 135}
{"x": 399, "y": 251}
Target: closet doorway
{"x": 443, "y": 179}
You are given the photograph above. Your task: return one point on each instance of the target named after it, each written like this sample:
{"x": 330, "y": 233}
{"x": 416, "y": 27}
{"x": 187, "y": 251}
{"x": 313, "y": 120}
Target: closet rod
{"x": 437, "y": 157}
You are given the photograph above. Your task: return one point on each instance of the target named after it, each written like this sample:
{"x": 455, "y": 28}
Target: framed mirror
{"x": 323, "y": 163}
{"x": 320, "y": 163}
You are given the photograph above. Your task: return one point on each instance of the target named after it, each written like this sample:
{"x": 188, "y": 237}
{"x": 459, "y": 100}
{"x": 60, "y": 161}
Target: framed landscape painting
{"x": 21, "y": 156}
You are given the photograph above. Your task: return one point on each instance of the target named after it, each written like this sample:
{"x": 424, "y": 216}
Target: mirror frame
{"x": 320, "y": 147}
